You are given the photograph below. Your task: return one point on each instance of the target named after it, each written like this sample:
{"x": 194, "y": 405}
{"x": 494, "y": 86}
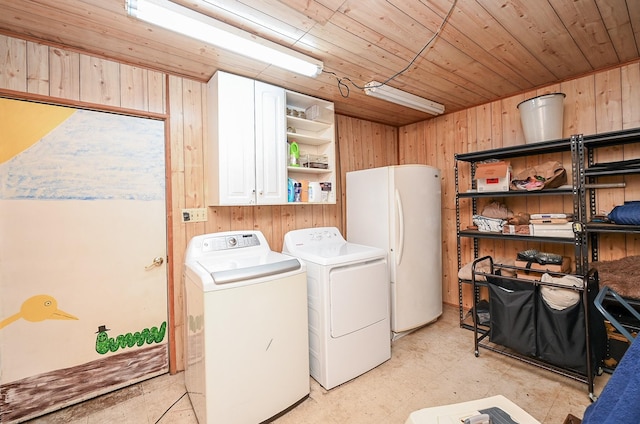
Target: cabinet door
{"x": 271, "y": 144}
{"x": 231, "y": 141}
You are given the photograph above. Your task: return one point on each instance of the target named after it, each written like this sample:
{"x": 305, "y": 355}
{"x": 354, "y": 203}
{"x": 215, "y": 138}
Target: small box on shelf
{"x": 535, "y": 270}
{"x": 493, "y": 176}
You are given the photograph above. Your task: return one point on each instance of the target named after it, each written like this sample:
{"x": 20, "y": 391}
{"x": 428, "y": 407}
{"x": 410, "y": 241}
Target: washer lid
{"x": 231, "y": 269}
{"x": 326, "y": 246}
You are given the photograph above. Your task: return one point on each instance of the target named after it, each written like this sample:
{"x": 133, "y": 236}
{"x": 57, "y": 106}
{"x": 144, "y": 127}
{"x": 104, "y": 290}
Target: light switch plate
{"x": 194, "y": 215}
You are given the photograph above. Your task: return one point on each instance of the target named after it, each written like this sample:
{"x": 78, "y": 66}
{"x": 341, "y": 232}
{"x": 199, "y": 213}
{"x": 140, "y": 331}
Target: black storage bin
{"x": 512, "y": 309}
{"x": 561, "y": 334}
{"x": 561, "y": 337}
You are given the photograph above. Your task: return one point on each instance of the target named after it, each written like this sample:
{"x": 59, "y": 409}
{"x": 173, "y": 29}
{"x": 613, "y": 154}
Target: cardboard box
{"x": 524, "y": 230}
{"x": 494, "y": 176}
{"x": 536, "y": 269}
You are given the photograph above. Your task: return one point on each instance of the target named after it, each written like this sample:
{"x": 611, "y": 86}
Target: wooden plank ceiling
{"x": 487, "y": 49}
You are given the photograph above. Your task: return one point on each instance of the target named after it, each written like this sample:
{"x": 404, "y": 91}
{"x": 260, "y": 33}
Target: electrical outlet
{"x": 194, "y": 215}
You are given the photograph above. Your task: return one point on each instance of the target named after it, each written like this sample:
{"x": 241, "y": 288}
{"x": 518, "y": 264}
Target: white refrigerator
{"x": 398, "y": 209}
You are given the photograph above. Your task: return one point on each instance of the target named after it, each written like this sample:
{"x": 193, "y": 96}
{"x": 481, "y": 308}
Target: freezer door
{"x": 416, "y": 240}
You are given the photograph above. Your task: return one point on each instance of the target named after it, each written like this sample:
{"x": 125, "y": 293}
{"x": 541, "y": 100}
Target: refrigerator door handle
{"x": 400, "y": 247}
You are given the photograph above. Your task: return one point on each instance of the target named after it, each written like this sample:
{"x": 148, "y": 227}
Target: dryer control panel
{"x": 315, "y": 235}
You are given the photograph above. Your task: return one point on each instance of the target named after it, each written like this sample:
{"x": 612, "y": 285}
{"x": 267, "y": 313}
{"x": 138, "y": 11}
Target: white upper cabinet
{"x": 246, "y": 149}
{"x": 271, "y": 144}
{"x": 250, "y": 128}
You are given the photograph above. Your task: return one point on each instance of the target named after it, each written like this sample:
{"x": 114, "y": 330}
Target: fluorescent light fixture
{"x": 201, "y": 27}
{"x": 393, "y": 95}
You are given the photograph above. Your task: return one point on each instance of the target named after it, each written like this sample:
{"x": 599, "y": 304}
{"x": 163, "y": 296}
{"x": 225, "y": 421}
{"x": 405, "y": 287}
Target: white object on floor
{"x": 456, "y": 413}
{"x": 348, "y": 287}
{"x": 247, "y": 348}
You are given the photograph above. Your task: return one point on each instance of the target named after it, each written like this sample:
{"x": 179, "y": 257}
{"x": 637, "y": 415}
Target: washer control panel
{"x": 234, "y": 241}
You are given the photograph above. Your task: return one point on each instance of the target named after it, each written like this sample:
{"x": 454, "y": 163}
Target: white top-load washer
{"x": 348, "y": 301}
{"x": 247, "y": 352}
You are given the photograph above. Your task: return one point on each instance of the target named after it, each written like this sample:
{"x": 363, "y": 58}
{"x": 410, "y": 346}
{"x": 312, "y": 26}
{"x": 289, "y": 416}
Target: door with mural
{"x": 83, "y": 279}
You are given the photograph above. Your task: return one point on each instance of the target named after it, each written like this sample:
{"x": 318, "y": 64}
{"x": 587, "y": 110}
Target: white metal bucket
{"x": 541, "y": 117}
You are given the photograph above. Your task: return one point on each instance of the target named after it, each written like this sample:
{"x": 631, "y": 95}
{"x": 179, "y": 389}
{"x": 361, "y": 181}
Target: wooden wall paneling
{"x": 317, "y": 218}
{"x": 484, "y": 128}
{"x": 355, "y": 147}
{"x": 64, "y": 74}
{"x": 448, "y": 142}
{"x": 333, "y": 216}
{"x": 219, "y": 219}
{"x": 134, "y": 93}
{"x": 344, "y": 130}
{"x": 579, "y": 106}
{"x": 99, "y": 81}
{"x": 432, "y": 147}
{"x": 348, "y": 145}
{"x": 193, "y": 136}
{"x": 608, "y": 98}
{"x": 288, "y": 218}
{"x": 303, "y": 216}
{"x": 157, "y": 86}
{"x": 241, "y": 218}
{"x": 267, "y": 220}
{"x": 366, "y": 144}
{"x": 37, "y": 69}
{"x": 496, "y": 124}
{"x": 245, "y": 219}
{"x": 409, "y": 149}
{"x": 13, "y": 72}
{"x": 512, "y": 133}
{"x": 630, "y": 76}
{"x": 378, "y": 145}
{"x": 178, "y": 229}
{"x": 389, "y": 139}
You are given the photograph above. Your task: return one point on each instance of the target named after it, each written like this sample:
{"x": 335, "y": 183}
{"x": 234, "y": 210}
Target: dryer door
{"x": 359, "y": 296}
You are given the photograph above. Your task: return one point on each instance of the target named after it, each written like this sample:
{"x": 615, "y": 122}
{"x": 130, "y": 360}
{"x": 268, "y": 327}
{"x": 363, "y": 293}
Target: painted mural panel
{"x": 82, "y": 216}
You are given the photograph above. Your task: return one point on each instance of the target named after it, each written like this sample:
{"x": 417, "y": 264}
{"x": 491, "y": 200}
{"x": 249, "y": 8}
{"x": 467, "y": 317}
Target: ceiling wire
{"x": 343, "y": 86}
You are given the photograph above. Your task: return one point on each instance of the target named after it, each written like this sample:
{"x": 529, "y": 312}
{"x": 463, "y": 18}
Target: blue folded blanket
{"x": 619, "y": 402}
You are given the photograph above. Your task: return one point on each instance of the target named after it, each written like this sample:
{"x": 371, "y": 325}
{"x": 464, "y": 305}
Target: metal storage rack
{"x": 555, "y": 146}
{"x": 594, "y": 230}
{"x": 583, "y": 189}
{"x": 584, "y": 172}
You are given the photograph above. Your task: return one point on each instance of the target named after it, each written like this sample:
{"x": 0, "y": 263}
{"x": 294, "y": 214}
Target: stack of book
{"x": 552, "y": 225}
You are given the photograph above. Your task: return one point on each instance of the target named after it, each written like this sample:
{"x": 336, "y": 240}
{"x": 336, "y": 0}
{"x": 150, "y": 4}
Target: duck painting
{"x": 38, "y": 308}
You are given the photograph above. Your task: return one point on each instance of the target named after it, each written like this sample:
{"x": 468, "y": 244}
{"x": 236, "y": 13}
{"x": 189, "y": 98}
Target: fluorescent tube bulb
{"x": 200, "y": 27}
{"x": 393, "y": 95}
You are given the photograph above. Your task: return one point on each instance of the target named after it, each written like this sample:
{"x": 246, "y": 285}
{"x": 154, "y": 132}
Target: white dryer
{"x": 348, "y": 299}
{"x": 247, "y": 350}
